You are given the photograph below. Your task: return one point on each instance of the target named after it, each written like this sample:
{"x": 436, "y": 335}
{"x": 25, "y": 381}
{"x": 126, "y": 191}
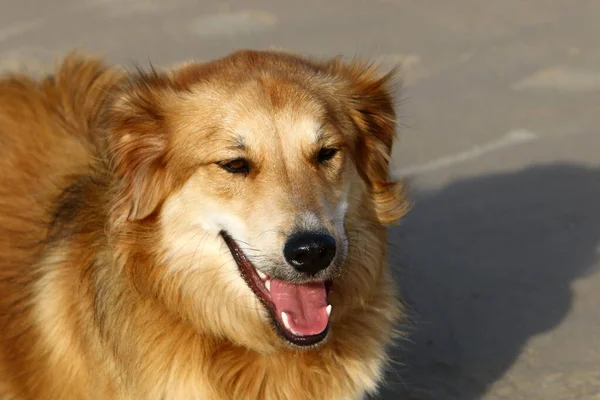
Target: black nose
{"x": 309, "y": 252}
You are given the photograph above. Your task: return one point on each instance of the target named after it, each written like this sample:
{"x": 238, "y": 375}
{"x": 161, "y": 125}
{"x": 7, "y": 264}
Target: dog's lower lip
{"x": 259, "y": 283}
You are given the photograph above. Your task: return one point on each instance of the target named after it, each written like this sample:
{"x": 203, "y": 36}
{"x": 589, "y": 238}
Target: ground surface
{"x": 500, "y": 139}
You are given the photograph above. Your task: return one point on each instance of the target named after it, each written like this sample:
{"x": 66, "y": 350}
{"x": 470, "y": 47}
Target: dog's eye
{"x": 237, "y": 166}
{"x": 326, "y": 154}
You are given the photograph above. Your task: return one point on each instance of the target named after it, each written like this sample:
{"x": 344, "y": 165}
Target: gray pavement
{"x": 500, "y": 139}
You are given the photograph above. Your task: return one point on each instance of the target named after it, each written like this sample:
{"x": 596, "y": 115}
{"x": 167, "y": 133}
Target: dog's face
{"x": 250, "y": 167}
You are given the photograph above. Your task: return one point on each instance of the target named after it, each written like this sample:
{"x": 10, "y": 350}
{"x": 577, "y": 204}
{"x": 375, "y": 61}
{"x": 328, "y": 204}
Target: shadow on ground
{"x": 488, "y": 263}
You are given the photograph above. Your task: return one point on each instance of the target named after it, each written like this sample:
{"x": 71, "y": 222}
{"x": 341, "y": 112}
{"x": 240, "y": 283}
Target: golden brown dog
{"x": 216, "y": 231}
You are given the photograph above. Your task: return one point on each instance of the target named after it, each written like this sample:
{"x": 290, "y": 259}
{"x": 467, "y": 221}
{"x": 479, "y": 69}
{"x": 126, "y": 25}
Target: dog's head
{"x": 249, "y": 170}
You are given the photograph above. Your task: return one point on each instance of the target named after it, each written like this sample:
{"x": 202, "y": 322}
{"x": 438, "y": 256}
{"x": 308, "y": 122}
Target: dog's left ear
{"x": 372, "y": 111}
{"x": 137, "y": 143}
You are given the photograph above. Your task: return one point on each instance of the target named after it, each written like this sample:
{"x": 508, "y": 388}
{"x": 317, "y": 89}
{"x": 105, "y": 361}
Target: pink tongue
{"x": 305, "y": 306}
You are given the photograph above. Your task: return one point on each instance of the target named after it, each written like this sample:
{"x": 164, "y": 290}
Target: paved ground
{"x": 500, "y": 140}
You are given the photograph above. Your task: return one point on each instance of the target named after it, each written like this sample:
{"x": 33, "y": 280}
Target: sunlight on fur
{"x": 213, "y": 231}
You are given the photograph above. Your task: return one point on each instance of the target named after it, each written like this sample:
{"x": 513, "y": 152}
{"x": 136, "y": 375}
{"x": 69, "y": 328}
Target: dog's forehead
{"x": 272, "y": 114}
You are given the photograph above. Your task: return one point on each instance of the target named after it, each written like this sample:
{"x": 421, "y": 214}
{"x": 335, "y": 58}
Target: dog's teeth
{"x": 286, "y": 321}
{"x": 328, "y": 309}
{"x": 262, "y": 275}
{"x": 268, "y": 284}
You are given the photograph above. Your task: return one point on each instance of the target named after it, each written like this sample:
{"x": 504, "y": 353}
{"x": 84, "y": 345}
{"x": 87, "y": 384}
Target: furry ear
{"x": 372, "y": 112}
{"x": 137, "y": 142}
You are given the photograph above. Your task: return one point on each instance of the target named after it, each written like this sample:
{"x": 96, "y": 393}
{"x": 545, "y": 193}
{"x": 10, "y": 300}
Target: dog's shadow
{"x": 487, "y": 263}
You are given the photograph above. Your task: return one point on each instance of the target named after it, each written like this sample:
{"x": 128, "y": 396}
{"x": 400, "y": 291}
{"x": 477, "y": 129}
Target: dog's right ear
{"x": 137, "y": 143}
{"x": 369, "y": 97}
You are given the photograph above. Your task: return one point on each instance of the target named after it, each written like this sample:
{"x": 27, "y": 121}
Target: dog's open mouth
{"x": 300, "y": 311}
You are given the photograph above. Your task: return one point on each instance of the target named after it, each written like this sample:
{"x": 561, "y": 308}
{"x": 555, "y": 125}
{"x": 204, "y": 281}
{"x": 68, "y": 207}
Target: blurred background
{"x": 499, "y": 139}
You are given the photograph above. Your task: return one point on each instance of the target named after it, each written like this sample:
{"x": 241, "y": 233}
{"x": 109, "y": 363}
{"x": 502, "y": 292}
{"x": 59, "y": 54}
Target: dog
{"x": 216, "y": 230}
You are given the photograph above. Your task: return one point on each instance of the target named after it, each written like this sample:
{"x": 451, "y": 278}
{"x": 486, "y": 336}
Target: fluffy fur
{"x": 114, "y": 281}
